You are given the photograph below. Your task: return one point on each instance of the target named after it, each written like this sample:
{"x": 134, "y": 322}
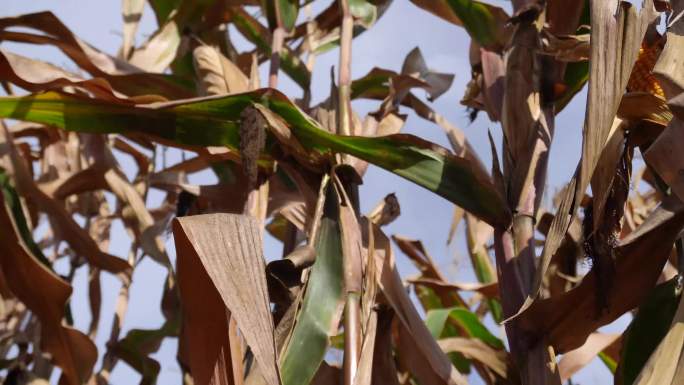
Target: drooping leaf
{"x": 485, "y": 23}
{"x": 63, "y": 223}
{"x": 477, "y": 350}
{"x": 567, "y": 320}
{"x": 665, "y": 158}
{"x": 217, "y": 74}
{"x": 421, "y": 352}
{"x": 71, "y": 350}
{"x": 123, "y": 76}
{"x": 575, "y": 360}
{"x": 214, "y": 122}
{"x": 161, "y": 49}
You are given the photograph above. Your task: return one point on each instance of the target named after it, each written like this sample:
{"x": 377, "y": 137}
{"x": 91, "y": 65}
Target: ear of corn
{"x": 642, "y": 78}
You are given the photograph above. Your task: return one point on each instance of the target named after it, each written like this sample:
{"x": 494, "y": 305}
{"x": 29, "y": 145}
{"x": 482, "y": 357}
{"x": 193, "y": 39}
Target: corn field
{"x": 550, "y": 268}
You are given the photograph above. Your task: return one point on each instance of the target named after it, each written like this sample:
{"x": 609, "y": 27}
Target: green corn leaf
{"x": 648, "y": 328}
{"x": 214, "y": 121}
{"x": 437, "y": 322}
{"x": 321, "y": 305}
{"x": 484, "y": 23}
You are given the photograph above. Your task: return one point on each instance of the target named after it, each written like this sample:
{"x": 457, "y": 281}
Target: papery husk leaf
{"x": 238, "y": 278}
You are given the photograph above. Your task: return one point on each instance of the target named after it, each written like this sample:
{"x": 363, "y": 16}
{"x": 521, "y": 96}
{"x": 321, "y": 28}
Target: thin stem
{"x": 276, "y": 47}
{"x": 352, "y": 337}
{"x": 352, "y": 317}
{"x": 344, "y": 81}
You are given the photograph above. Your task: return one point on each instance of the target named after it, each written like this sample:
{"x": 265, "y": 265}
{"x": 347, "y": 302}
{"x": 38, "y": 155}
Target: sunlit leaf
{"x": 214, "y": 122}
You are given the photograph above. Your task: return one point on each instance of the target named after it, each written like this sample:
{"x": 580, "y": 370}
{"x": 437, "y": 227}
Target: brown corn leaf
{"x": 415, "y": 66}
{"x": 426, "y": 355}
{"x": 384, "y": 369}
{"x": 489, "y": 290}
{"x": 217, "y": 75}
{"x": 567, "y": 320}
{"x": 100, "y": 153}
{"x": 492, "y": 87}
{"x": 62, "y": 222}
{"x": 475, "y": 349}
{"x": 666, "y": 158}
{"x": 605, "y": 171}
{"x": 575, "y": 360}
{"x": 386, "y": 211}
{"x": 35, "y": 76}
{"x": 611, "y": 63}
{"x": 227, "y": 248}
{"x": 364, "y": 373}
{"x": 644, "y": 106}
{"x": 416, "y": 252}
{"x": 669, "y": 69}
{"x": 45, "y": 295}
{"x": 204, "y": 345}
{"x": 566, "y": 48}
{"x": 123, "y": 76}
{"x": 157, "y": 53}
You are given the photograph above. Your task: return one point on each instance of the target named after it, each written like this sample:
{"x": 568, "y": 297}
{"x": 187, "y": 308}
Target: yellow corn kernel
{"x": 642, "y": 78}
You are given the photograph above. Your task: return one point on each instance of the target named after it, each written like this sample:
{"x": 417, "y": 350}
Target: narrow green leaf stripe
{"x": 213, "y": 121}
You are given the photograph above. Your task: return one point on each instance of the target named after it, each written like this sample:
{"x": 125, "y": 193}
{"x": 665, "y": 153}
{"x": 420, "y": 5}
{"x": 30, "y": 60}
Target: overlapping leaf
{"x": 214, "y": 122}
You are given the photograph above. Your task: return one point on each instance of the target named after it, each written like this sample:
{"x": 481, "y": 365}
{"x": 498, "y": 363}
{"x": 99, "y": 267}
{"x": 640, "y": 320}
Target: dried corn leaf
{"x": 611, "y": 63}
{"x": 669, "y": 69}
{"x": 218, "y": 75}
{"x": 666, "y": 158}
{"x": 238, "y": 277}
{"x": 567, "y": 320}
{"x": 122, "y": 75}
{"x": 477, "y": 350}
{"x": 425, "y": 356}
{"x": 63, "y": 224}
{"x": 46, "y": 295}
{"x": 575, "y": 360}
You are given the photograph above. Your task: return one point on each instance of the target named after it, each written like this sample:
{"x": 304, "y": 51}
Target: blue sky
{"x": 424, "y": 215}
